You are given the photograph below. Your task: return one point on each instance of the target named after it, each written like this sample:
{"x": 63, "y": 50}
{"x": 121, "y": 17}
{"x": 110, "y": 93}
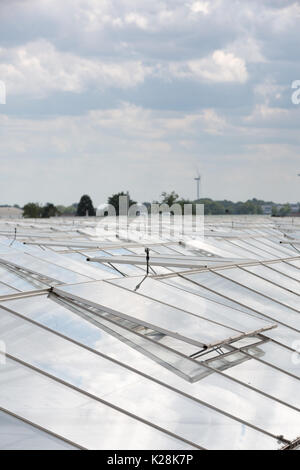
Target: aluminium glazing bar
{"x": 140, "y": 260}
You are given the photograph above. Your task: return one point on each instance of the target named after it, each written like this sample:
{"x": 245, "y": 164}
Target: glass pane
{"x": 215, "y": 389}
{"x": 17, "y": 282}
{"x": 268, "y": 380}
{"x": 241, "y": 251}
{"x": 287, "y": 269}
{"x": 248, "y": 298}
{"x": 15, "y": 434}
{"x": 246, "y": 244}
{"x": 187, "y": 286}
{"x": 279, "y": 356}
{"x": 275, "y": 277}
{"x": 201, "y": 307}
{"x": 120, "y": 386}
{"x": 79, "y": 267}
{"x": 167, "y": 319}
{"x": 41, "y": 267}
{"x": 6, "y": 290}
{"x": 283, "y": 250}
{"x": 147, "y": 344}
{"x": 263, "y": 287}
{"x": 76, "y": 417}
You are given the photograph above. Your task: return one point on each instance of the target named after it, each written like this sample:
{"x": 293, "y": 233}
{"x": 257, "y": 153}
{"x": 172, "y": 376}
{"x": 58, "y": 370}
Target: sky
{"x": 139, "y": 95}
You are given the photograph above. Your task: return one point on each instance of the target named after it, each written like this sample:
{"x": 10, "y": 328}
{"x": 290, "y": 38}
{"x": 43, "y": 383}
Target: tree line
{"x": 85, "y": 206}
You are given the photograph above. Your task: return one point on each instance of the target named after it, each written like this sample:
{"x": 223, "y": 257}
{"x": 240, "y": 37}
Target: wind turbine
{"x": 198, "y": 179}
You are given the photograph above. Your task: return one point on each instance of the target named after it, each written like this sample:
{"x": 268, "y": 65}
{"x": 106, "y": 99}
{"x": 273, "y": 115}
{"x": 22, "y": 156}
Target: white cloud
{"x": 136, "y": 19}
{"x": 145, "y": 151}
{"x": 282, "y": 19}
{"x": 220, "y": 67}
{"x": 38, "y": 68}
{"x": 247, "y": 48}
{"x": 264, "y": 112}
{"x": 109, "y": 147}
{"x": 269, "y": 90}
{"x": 213, "y": 123}
{"x": 200, "y": 7}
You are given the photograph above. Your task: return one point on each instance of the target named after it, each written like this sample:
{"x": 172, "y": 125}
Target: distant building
{"x": 11, "y": 213}
{"x": 295, "y": 208}
{"x": 267, "y": 209}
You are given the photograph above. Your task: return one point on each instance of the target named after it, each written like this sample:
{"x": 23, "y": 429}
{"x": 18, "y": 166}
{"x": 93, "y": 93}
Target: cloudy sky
{"x": 110, "y": 95}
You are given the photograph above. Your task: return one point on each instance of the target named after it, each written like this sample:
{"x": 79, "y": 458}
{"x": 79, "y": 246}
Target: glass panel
{"x": 128, "y": 269}
{"x": 215, "y": 389}
{"x": 279, "y": 356}
{"x": 267, "y": 379}
{"x": 122, "y": 387}
{"x": 242, "y": 249}
{"x": 168, "y": 320}
{"x": 201, "y": 307}
{"x": 15, "y": 434}
{"x": 76, "y": 256}
{"x": 161, "y": 249}
{"x": 252, "y": 300}
{"x": 210, "y": 246}
{"x": 270, "y": 251}
{"x": 152, "y": 345}
{"x": 260, "y": 254}
{"x": 17, "y": 282}
{"x": 82, "y": 420}
{"x": 26, "y": 261}
{"x": 284, "y": 335}
{"x": 178, "y": 249}
{"x": 281, "y": 250}
{"x": 188, "y": 286}
{"x": 276, "y": 277}
{"x": 82, "y": 268}
{"x": 285, "y": 268}
{"x": 295, "y": 263}
{"x": 262, "y": 286}
{"x": 5, "y": 290}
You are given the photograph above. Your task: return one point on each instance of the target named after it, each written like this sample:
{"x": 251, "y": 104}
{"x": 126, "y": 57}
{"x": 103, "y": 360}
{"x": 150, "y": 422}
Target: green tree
{"x": 114, "y": 200}
{"x": 67, "y": 210}
{"x": 85, "y": 206}
{"x": 49, "y": 210}
{"x": 274, "y": 211}
{"x": 32, "y": 210}
{"x": 169, "y": 198}
{"x": 285, "y": 210}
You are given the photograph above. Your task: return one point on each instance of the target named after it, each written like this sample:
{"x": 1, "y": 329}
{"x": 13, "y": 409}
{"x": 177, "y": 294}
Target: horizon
{"x": 260, "y": 201}
{"x": 153, "y": 202}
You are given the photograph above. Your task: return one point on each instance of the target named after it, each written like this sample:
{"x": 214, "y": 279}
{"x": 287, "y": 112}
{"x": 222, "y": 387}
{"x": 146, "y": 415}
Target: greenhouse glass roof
{"x": 196, "y": 346}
